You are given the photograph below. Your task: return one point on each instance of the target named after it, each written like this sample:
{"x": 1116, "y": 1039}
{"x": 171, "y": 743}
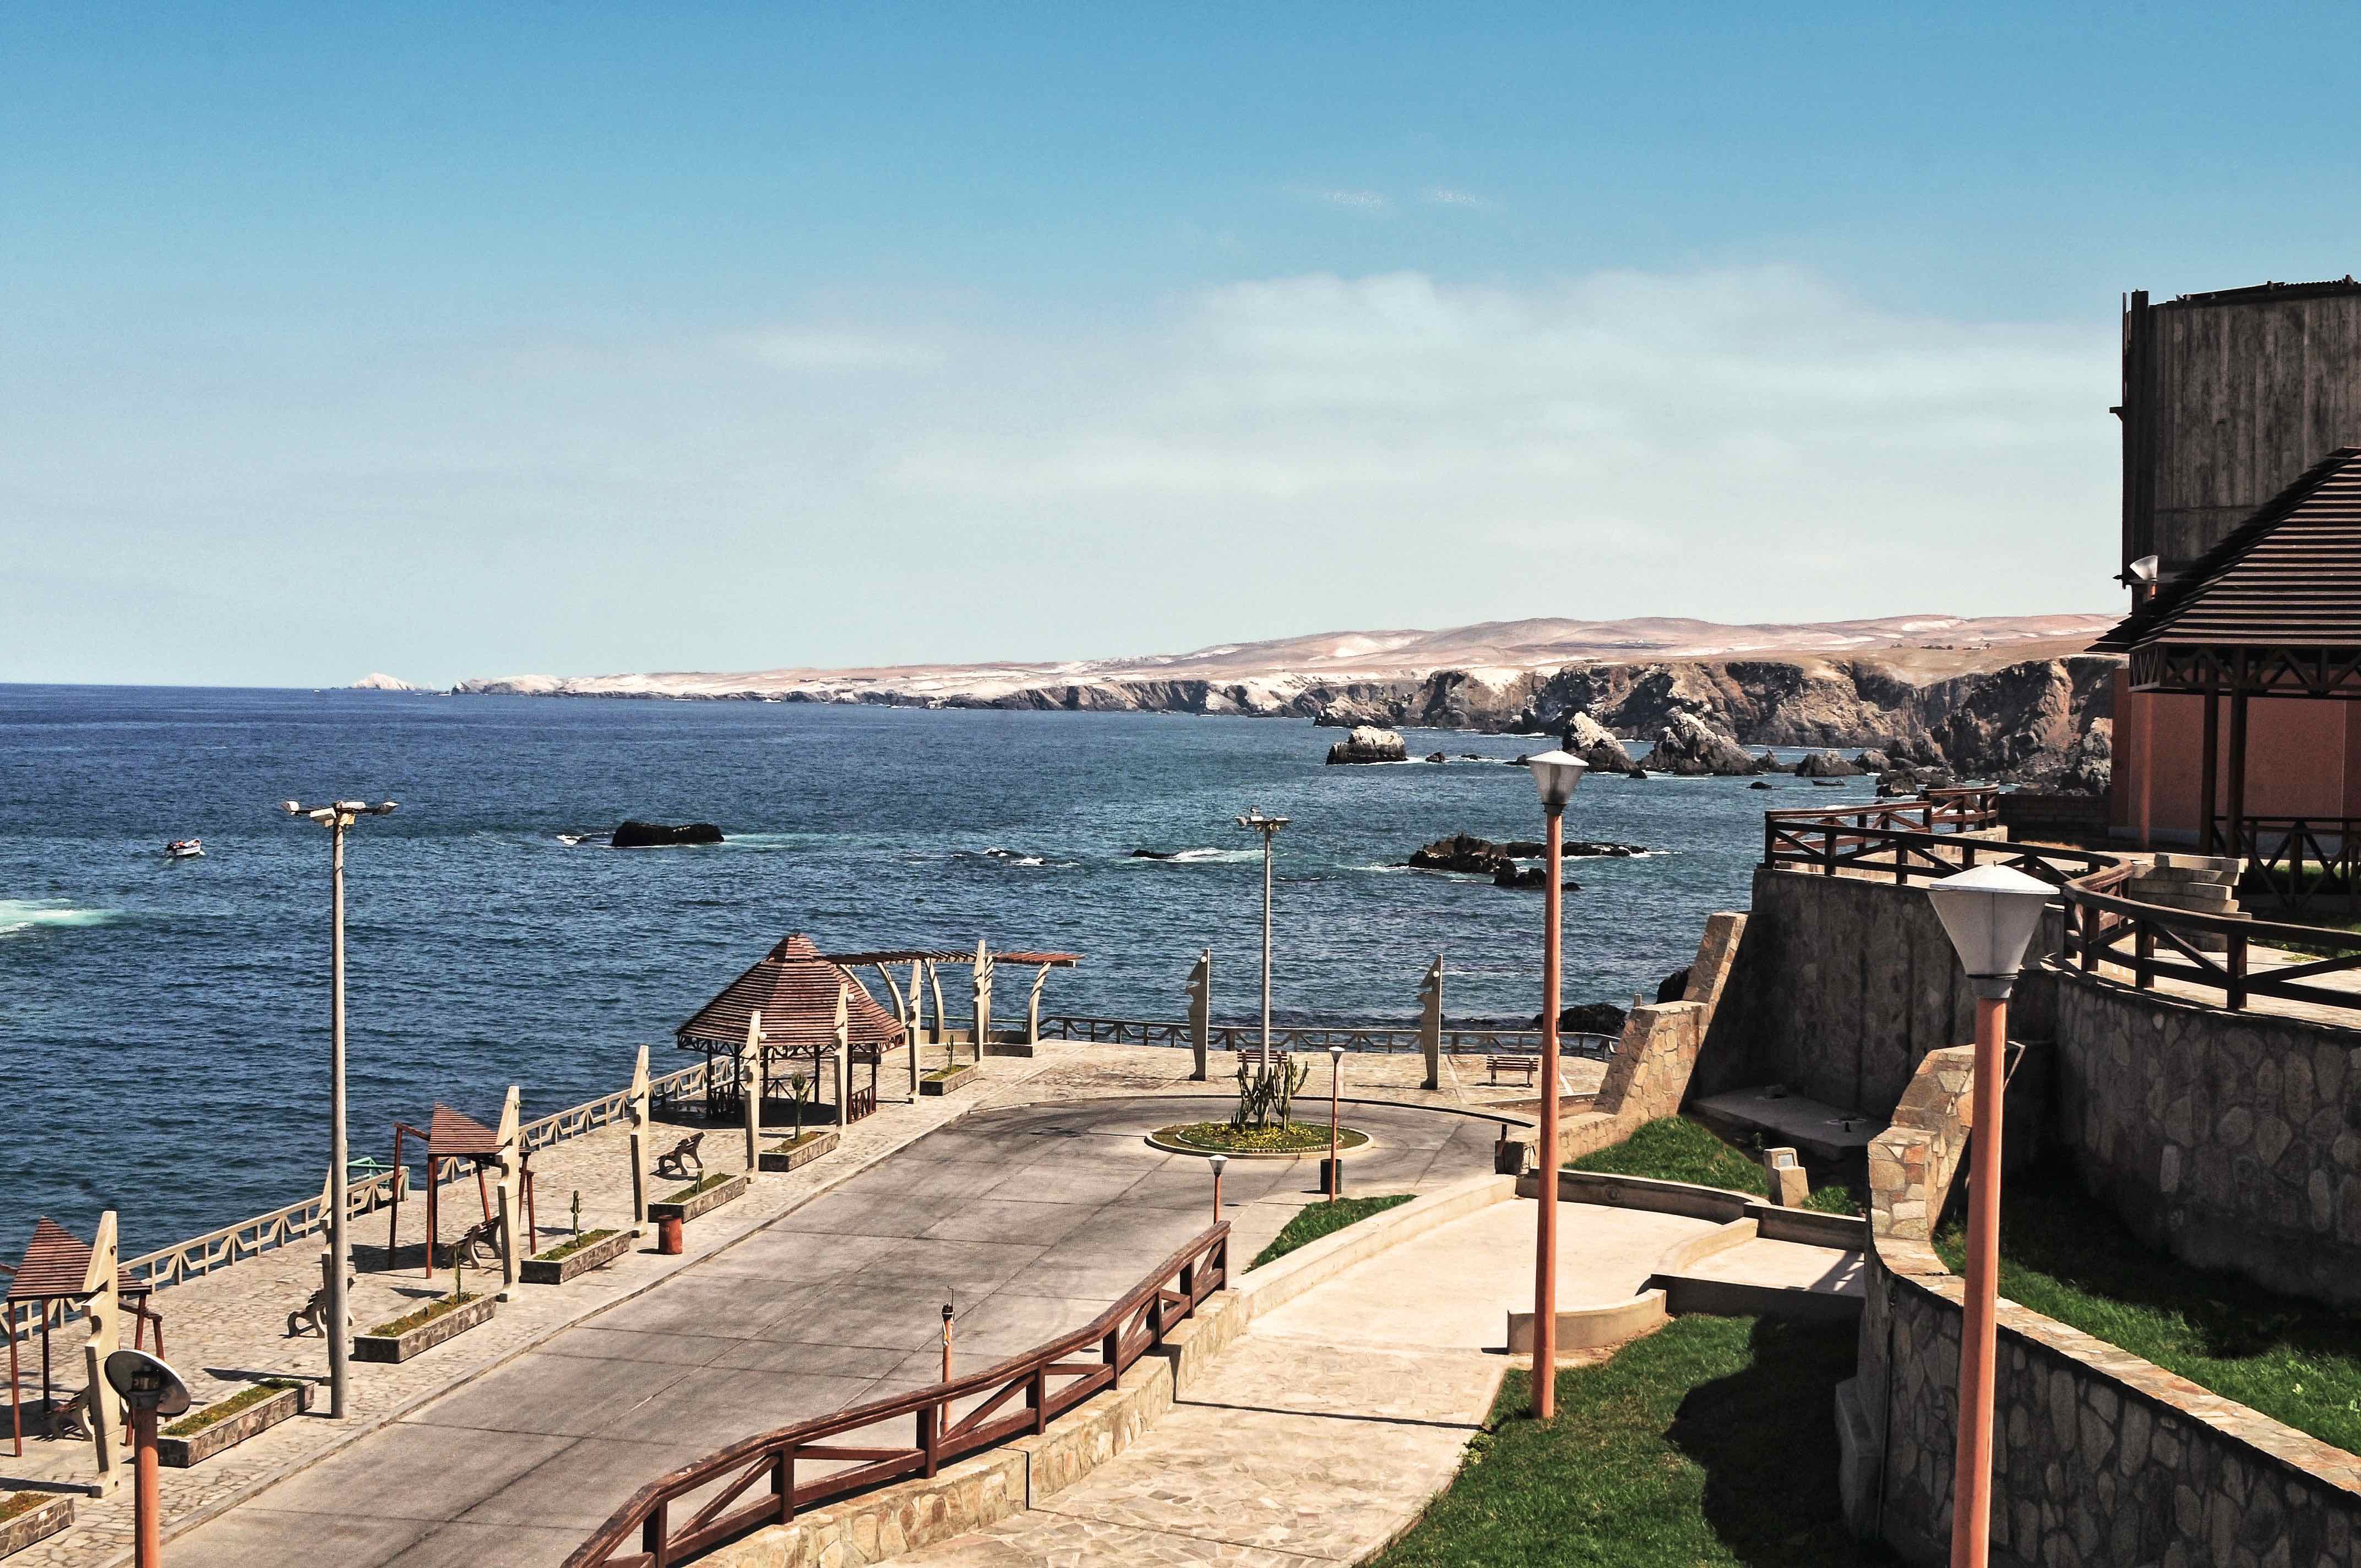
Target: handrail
{"x": 1121, "y": 1335}
{"x": 2101, "y": 925}
{"x": 1373, "y": 1037}
{"x": 2293, "y": 858}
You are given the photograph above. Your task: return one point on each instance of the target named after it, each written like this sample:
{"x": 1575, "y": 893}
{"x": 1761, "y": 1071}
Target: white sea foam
{"x": 19, "y": 915}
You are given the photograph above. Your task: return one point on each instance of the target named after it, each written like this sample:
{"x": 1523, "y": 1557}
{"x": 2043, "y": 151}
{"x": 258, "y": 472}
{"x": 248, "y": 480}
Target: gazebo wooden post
{"x": 942, "y": 1020}
{"x": 2239, "y": 769}
{"x": 843, "y": 1055}
{"x": 2212, "y": 765}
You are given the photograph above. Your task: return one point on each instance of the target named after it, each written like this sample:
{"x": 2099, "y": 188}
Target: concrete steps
{"x": 2200, "y": 885}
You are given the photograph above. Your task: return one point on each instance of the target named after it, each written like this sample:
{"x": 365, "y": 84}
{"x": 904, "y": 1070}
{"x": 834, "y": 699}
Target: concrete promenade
{"x": 505, "y": 1443}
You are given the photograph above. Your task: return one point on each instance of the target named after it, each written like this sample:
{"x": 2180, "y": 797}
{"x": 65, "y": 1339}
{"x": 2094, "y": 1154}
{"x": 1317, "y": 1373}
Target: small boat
{"x": 186, "y": 849}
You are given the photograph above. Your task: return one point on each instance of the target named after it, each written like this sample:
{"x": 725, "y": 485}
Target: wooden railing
{"x": 949, "y": 1420}
{"x": 2295, "y": 858}
{"x": 1380, "y": 1037}
{"x": 2157, "y": 943}
{"x": 1829, "y": 842}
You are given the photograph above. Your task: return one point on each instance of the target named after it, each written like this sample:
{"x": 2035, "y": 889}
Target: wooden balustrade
{"x": 948, "y": 1421}
{"x": 1314, "y": 1037}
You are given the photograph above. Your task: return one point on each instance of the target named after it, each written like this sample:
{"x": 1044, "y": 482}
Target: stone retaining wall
{"x": 2230, "y": 1140}
{"x": 1843, "y": 984}
{"x": 2100, "y": 1458}
{"x": 1658, "y": 1057}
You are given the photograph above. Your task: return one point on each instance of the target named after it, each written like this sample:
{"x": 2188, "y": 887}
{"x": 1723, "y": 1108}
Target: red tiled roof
{"x": 794, "y": 987}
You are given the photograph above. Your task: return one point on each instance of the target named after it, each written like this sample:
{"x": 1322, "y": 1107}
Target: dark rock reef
{"x": 638, "y": 835}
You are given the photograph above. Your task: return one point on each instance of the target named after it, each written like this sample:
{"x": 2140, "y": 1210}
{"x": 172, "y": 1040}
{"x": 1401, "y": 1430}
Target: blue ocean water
{"x": 165, "y": 1022}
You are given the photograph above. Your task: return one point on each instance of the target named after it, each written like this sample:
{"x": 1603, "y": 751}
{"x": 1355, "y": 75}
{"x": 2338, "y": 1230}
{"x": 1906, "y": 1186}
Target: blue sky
{"x": 598, "y": 338}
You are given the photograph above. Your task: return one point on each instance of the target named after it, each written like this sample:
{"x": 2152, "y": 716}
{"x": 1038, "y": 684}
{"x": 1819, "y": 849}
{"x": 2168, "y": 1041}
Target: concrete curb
{"x": 1283, "y": 1280}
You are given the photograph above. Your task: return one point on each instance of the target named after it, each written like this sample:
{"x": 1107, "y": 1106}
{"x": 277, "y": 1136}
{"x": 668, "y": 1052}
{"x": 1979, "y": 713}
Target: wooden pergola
{"x": 2274, "y": 610}
{"x": 452, "y": 1134}
{"x": 794, "y": 987}
{"x": 56, "y": 1269}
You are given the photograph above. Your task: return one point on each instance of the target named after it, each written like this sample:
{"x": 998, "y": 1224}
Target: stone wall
{"x": 1842, "y": 986}
{"x": 2101, "y": 1459}
{"x": 2231, "y": 1140}
{"x": 1656, "y": 1059}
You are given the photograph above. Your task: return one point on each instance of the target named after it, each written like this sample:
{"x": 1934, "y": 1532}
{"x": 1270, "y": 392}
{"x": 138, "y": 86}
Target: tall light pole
{"x": 1268, "y": 827}
{"x": 1335, "y": 1164}
{"x": 338, "y": 815}
{"x": 1556, "y": 773}
{"x": 1990, "y": 913}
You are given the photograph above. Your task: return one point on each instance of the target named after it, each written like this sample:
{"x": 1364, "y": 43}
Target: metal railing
{"x": 949, "y": 1420}
{"x": 1380, "y": 1037}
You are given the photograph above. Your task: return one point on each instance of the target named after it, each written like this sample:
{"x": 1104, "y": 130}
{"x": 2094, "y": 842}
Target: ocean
{"x": 166, "y": 1023}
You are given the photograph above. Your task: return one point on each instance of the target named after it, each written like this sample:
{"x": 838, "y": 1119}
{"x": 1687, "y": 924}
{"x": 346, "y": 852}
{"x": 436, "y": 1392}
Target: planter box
{"x": 38, "y": 1524}
{"x": 705, "y": 1203}
{"x": 557, "y": 1271}
{"x": 801, "y": 1152}
{"x": 944, "y": 1085}
{"x": 179, "y": 1453}
{"x": 425, "y": 1336}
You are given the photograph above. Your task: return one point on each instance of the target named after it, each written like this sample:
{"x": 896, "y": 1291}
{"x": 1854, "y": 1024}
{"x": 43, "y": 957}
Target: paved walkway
{"x": 1322, "y": 1433}
{"x": 1030, "y": 1220}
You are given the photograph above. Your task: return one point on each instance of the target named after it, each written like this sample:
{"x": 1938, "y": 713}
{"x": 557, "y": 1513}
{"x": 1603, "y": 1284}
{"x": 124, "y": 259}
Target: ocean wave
{"x": 18, "y": 915}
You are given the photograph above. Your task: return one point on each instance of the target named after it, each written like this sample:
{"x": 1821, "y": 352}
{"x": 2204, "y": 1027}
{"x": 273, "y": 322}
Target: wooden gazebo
{"x": 56, "y": 1269}
{"x": 2273, "y": 611}
{"x": 794, "y": 987}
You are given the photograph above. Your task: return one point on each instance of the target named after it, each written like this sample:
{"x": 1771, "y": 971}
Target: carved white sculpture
{"x": 750, "y": 1089}
{"x": 1201, "y": 1011}
{"x": 105, "y": 1312}
{"x": 1429, "y": 1022}
{"x": 636, "y": 1109}
{"x": 511, "y": 1167}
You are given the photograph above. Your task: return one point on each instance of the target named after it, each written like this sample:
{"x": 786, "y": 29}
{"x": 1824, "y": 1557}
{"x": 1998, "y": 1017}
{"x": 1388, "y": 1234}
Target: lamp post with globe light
{"x": 338, "y": 815}
{"x": 1555, "y": 774}
{"x": 1990, "y": 913}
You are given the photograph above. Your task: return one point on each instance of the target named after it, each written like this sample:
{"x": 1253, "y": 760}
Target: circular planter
{"x": 1162, "y": 1138}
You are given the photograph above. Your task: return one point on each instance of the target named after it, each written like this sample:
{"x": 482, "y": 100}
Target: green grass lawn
{"x": 2066, "y": 1258}
{"x": 1317, "y": 1220}
{"x": 1673, "y": 1148}
{"x": 1712, "y": 1441}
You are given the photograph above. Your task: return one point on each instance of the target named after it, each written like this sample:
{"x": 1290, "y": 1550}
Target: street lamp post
{"x": 1555, "y": 774}
{"x": 1336, "y": 1165}
{"x": 336, "y": 817}
{"x": 1268, "y": 827}
{"x": 151, "y": 1389}
{"x": 1218, "y": 1161}
{"x": 1990, "y": 913}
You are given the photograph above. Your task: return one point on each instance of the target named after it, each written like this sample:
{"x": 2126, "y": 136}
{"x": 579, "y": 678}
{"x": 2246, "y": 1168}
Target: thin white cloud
{"x": 1369, "y": 202}
{"x": 799, "y": 349}
{"x": 1445, "y": 196}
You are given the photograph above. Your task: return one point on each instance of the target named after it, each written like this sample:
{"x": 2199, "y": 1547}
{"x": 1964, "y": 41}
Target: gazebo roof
{"x": 2274, "y": 607}
{"x": 57, "y": 1265}
{"x": 453, "y": 1132}
{"x": 794, "y": 987}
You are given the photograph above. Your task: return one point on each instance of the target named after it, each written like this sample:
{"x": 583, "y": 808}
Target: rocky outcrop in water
{"x": 1369, "y": 744}
{"x": 1825, "y": 765}
{"x": 638, "y": 835}
{"x": 1467, "y": 853}
{"x": 1594, "y": 744}
{"x": 1688, "y": 746}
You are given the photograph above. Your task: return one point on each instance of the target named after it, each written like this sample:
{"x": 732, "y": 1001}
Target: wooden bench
{"x": 1528, "y": 1066}
{"x": 679, "y": 1155}
{"x": 1255, "y": 1054}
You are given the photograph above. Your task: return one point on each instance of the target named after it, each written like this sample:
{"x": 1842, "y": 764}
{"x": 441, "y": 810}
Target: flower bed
{"x": 578, "y": 1254}
{"x": 422, "y": 1330}
{"x": 943, "y": 1080}
{"x": 226, "y": 1423}
{"x": 1292, "y": 1141}
{"x": 707, "y": 1195}
{"x": 791, "y": 1152}
{"x": 28, "y": 1516}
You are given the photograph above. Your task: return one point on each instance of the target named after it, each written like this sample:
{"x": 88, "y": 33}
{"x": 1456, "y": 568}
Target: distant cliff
{"x": 2009, "y": 698}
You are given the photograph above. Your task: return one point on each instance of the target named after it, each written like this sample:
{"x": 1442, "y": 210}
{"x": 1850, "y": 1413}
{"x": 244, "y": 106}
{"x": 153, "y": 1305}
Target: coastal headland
{"x": 2002, "y": 696}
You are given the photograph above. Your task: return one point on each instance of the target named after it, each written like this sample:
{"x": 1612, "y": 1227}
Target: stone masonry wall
{"x": 2101, "y": 1459}
{"x": 2230, "y": 1140}
{"x": 1658, "y": 1053}
{"x": 1843, "y": 985}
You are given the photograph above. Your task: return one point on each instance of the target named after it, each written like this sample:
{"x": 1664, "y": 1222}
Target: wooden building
{"x": 2233, "y": 402}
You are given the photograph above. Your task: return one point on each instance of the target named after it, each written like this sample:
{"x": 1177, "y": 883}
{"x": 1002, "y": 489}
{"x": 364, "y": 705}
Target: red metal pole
{"x": 1545, "y": 1208}
{"x": 1971, "y": 1481}
{"x": 147, "y": 1502}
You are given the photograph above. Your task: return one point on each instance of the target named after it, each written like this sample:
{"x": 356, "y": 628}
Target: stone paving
{"x": 230, "y": 1327}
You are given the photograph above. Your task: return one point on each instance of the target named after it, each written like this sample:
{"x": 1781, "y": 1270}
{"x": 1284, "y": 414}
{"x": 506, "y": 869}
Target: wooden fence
{"x": 1316, "y": 1038}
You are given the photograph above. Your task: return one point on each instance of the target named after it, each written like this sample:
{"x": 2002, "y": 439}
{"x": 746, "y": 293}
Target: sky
{"x": 596, "y": 339}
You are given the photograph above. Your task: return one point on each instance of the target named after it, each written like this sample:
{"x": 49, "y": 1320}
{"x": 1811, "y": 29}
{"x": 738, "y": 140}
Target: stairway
{"x": 2203, "y": 885}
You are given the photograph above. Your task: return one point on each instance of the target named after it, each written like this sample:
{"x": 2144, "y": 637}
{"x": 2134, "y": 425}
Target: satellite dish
{"x": 147, "y": 1383}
